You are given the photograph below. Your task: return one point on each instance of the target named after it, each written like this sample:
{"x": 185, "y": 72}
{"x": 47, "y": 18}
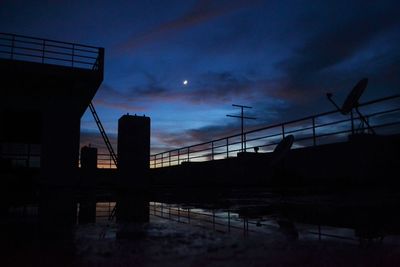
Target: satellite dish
{"x": 355, "y": 94}
{"x": 283, "y": 148}
{"x": 351, "y": 101}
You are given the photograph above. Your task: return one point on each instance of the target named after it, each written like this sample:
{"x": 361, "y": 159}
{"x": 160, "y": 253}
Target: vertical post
{"x": 283, "y": 130}
{"x": 229, "y": 221}
{"x": 242, "y": 124}
{"x": 319, "y": 232}
{"x": 188, "y": 213}
{"x": 179, "y": 214}
{"x": 12, "y": 46}
{"x": 313, "y": 132}
{"x": 212, "y": 150}
{"x": 162, "y": 160}
{"x": 213, "y": 213}
{"x": 43, "y": 48}
{"x": 179, "y": 154}
{"x": 169, "y": 158}
{"x": 227, "y": 147}
{"x": 73, "y": 54}
{"x": 244, "y": 138}
{"x": 188, "y": 152}
{"x": 352, "y": 122}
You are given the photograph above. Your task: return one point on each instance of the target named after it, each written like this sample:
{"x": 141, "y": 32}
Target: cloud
{"x": 335, "y": 43}
{"x": 203, "y": 11}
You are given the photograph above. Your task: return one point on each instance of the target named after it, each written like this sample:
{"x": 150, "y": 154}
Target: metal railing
{"x": 327, "y": 127}
{"x": 46, "y": 51}
{"x": 231, "y": 222}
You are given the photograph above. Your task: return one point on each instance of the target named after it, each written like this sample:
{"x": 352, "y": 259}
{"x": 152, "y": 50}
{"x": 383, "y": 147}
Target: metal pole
{"x": 227, "y": 148}
{"x": 213, "y": 212}
{"x": 212, "y": 150}
{"x": 241, "y": 116}
{"x": 43, "y": 47}
{"x": 229, "y": 221}
{"x": 313, "y": 131}
{"x": 352, "y": 122}
{"x": 73, "y": 54}
{"x": 12, "y": 47}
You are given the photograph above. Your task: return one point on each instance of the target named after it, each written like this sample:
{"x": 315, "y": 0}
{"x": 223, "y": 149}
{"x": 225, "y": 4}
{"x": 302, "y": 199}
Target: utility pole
{"x": 242, "y": 117}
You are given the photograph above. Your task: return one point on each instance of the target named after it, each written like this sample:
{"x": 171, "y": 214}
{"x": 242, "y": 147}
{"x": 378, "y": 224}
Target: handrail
{"x": 47, "y": 51}
{"x": 196, "y": 151}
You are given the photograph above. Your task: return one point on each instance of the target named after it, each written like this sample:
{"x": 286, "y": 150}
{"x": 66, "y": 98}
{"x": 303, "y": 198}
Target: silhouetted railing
{"x": 230, "y": 222}
{"x": 39, "y": 50}
{"x": 327, "y": 127}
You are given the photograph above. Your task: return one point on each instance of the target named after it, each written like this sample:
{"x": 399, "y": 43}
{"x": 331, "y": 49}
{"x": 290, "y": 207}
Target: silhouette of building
{"x": 46, "y": 86}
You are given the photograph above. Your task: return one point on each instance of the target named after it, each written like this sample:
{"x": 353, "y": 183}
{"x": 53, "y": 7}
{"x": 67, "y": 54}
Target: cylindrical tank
{"x": 133, "y": 143}
{"x": 88, "y": 158}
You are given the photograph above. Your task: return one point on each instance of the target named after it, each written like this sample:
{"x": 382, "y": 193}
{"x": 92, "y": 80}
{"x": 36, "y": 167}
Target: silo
{"x": 133, "y": 144}
{"x": 133, "y": 166}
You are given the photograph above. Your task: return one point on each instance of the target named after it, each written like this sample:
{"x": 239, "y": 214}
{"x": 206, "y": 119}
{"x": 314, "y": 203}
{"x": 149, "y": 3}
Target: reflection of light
{"x": 185, "y": 82}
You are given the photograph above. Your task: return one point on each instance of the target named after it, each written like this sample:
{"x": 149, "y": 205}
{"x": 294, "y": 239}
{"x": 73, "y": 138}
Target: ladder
{"x": 103, "y": 134}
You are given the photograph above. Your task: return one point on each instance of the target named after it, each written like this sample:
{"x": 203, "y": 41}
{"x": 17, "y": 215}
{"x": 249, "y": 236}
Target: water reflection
{"x": 289, "y": 221}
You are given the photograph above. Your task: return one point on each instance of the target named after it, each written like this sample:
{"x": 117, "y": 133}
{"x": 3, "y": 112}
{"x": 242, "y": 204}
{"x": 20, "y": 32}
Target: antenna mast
{"x": 242, "y": 117}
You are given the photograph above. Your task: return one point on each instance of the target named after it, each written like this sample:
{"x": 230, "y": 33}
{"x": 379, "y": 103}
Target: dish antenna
{"x": 351, "y": 101}
{"x": 282, "y": 148}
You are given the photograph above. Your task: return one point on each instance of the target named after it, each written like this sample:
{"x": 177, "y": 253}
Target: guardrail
{"x": 228, "y": 221}
{"x": 327, "y": 127}
{"x": 46, "y": 51}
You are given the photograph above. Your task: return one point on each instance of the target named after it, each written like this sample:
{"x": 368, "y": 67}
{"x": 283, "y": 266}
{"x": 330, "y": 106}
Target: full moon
{"x": 185, "y": 82}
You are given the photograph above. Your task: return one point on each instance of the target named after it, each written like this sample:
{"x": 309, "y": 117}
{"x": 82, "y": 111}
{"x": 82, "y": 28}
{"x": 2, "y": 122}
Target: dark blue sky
{"x": 280, "y": 57}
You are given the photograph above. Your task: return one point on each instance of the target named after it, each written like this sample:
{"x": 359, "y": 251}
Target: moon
{"x": 185, "y": 82}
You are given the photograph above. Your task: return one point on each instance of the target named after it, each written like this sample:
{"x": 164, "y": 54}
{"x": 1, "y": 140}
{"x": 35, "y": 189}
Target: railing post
{"x": 162, "y": 160}
{"x": 73, "y": 54}
{"x": 352, "y": 122}
{"x": 169, "y": 158}
{"x": 179, "y": 154}
{"x": 188, "y": 152}
{"x": 229, "y": 221}
{"x": 212, "y": 150}
{"x": 12, "y": 46}
{"x": 244, "y": 140}
{"x": 43, "y": 48}
{"x": 227, "y": 147}
{"x": 110, "y": 158}
{"x": 213, "y": 213}
{"x": 313, "y": 132}
{"x": 283, "y": 130}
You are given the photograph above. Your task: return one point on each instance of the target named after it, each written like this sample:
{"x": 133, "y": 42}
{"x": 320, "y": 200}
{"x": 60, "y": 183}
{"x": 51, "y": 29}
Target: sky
{"x": 279, "y": 57}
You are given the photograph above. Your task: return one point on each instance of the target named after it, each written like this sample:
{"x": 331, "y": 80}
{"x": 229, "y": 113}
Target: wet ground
{"x": 163, "y": 242}
{"x": 168, "y": 243}
{"x": 250, "y": 234}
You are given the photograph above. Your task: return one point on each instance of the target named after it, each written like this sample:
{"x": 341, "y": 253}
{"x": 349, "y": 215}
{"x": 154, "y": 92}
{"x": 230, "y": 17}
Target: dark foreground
{"x": 296, "y": 230}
